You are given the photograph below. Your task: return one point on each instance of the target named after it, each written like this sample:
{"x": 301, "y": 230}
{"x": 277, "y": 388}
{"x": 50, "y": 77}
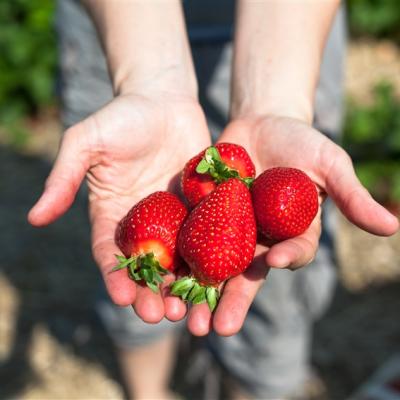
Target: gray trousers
{"x": 269, "y": 357}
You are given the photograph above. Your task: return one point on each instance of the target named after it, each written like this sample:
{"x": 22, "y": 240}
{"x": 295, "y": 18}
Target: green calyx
{"x": 190, "y": 290}
{"x": 143, "y": 268}
{"x": 213, "y": 165}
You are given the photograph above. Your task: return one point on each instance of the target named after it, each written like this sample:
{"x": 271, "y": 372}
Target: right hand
{"x": 135, "y": 145}
{"x": 281, "y": 141}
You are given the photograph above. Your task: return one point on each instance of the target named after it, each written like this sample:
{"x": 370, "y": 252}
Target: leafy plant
{"x": 28, "y": 57}
{"x": 381, "y": 178}
{"x": 375, "y": 17}
{"x": 372, "y": 137}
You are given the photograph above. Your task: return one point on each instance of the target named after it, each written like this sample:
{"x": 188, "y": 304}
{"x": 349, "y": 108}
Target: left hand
{"x": 135, "y": 145}
{"x": 282, "y": 141}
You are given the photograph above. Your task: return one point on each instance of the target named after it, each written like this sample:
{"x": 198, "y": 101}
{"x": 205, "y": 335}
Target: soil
{"x": 53, "y": 346}
{"x": 368, "y": 63}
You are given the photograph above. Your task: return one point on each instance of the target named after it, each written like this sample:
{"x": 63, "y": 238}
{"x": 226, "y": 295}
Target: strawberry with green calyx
{"x": 190, "y": 290}
{"x": 144, "y": 267}
{"x": 147, "y": 236}
{"x": 213, "y": 166}
{"x": 285, "y": 202}
{"x": 217, "y": 241}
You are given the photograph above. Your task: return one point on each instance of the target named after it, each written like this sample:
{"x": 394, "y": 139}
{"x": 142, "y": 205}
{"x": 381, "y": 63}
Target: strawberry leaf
{"x": 147, "y": 274}
{"x": 212, "y": 155}
{"x": 196, "y": 290}
{"x": 200, "y": 298}
{"x": 123, "y": 262}
{"x": 203, "y": 167}
{"x": 248, "y": 181}
{"x": 162, "y": 270}
{"x": 182, "y": 287}
{"x": 143, "y": 268}
{"x": 213, "y": 165}
{"x": 212, "y": 296}
{"x": 189, "y": 289}
{"x": 158, "y": 278}
{"x": 152, "y": 286}
{"x": 135, "y": 275}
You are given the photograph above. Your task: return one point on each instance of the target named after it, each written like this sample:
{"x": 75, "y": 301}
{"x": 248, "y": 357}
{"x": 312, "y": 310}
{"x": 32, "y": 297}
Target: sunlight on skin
{"x": 332, "y": 171}
{"x": 124, "y": 159}
{"x": 117, "y": 180}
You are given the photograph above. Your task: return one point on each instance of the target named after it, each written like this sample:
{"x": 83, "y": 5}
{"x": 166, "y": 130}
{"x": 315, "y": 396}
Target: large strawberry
{"x": 217, "y": 241}
{"x": 212, "y": 166}
{"x": 147, "y": 236}
{"x": 285, "y": 202}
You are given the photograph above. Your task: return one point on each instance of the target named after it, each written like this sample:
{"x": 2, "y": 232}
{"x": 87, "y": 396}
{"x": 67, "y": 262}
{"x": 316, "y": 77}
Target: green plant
{"x": 381, "y": 178}
{"x": 28, "y": 58}
{"x": 374, "y": 17}
{"x": 372, "y": 137}
{"x": 374, "y": 129}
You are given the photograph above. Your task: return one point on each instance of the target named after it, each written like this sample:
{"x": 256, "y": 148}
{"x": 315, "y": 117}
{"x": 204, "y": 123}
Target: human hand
{"x": 281, "y": 141}
{"x": 132, "y": 147}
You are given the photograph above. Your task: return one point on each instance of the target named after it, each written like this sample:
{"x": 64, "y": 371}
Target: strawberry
{"x": 212, "y": 166}
{"x": 147, "y": 237}
{"x": 217, "y": 241}
{"x": 285, "y": 202}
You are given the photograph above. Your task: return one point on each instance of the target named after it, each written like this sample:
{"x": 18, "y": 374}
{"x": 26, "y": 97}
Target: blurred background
{"x": 51, "y": 342}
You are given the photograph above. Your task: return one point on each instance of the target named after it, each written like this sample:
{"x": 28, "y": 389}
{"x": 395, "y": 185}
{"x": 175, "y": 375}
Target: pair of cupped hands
{"x": 138, "y": 144}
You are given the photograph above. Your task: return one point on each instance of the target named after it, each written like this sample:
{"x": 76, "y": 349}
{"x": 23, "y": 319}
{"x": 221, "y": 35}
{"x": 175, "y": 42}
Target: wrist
{"x": 277, "y": 54}
{"x": 174, "y": 78}
{"x": 256, "y": 107}
{"x": 146, "y": 45}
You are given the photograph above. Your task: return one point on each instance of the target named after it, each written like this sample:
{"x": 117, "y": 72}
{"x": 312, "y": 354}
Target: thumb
{"x": 64, "y": 180}
{"x": 354, "y": 200}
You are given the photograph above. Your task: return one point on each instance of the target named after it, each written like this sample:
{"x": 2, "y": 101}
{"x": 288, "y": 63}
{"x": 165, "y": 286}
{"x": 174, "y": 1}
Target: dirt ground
{"x": 52, "y": 345}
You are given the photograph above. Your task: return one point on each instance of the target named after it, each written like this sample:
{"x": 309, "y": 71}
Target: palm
{"x": 286, "y": 142}
{"x": 129, "y": 149}
{"x": 142, "y": 145}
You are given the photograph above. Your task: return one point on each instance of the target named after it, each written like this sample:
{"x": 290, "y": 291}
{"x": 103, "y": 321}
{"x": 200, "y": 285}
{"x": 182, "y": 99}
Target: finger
{"x": 238, "y": 295}
{"x": 64, "y": 180}
{"x": 298, "y": 251}
{"x": 175, "y": 308}
{"x": 199, "y": 320}
{"x": 123, "y": 291}
{"x": 149, "y": 306}
{"x": 354, "y": 200}
{"x": 120, "y": 287}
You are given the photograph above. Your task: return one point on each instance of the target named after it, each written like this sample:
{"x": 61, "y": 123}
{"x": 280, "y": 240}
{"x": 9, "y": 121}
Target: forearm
{"x": 145, "y": 43}
{"x": 278, "y": 50}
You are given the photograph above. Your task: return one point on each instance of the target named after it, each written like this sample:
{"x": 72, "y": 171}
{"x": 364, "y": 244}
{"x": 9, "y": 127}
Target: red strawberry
{"x": 217, "y": 241}
{"x": 147, "y": 236}
{"x": 212, "y": 166}
{"x": 285, "y": 202}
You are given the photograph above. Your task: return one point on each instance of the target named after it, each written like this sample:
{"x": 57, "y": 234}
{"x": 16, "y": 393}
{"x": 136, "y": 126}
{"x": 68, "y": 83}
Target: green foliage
{"x": 372, "y": 137}
{"x": 375, "y": 17}
{"x": 28, "y": 57}
{"x": 374, "y": 129}
{"x": 382, "y": 179}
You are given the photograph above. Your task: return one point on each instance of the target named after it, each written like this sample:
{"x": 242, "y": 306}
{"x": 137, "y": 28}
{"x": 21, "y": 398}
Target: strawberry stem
{"x": 213, "y": 165}
{"x": 190, "y": 290}
{"x": 144, "y": 267}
